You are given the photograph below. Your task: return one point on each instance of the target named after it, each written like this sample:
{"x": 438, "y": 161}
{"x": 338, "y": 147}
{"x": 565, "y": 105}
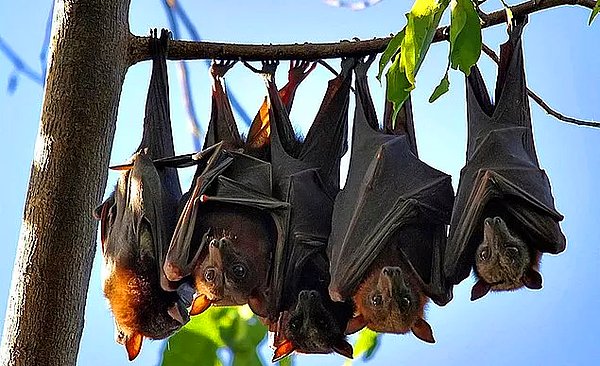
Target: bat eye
{"x": 295, "y": 323}
{"x": 512, "y": 252}
{"x": 484, "y": 255}
{"x": 404, "y": 303}
{"x": 239, "y": 271}
{"x": 377, "y": 300}
{"x": 209, "y": 275}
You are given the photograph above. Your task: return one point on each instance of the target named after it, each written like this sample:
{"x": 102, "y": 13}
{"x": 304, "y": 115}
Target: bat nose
{"x": 215, "y": 243}
{"x": 389, "y": 271}
{"x": 497, "y": 220}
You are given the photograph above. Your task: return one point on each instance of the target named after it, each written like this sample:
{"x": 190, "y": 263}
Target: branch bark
{"x": 194, "y": 50}
{"x": 88, "y": 62}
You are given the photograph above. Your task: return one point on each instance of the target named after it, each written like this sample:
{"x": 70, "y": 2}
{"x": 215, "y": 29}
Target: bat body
{"x": 306, "y": 176}
{"x": 231, "y": 237}
{"x": 226, "y": 233}
{"x": 137, "y": 221}
{"x": 222, "y": 125}
{"x": 504, "y": 215}
{"x": 389, "y": 224}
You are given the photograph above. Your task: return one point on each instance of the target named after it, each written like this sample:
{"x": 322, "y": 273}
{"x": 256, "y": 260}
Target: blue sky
{"x": 555, "y": 326}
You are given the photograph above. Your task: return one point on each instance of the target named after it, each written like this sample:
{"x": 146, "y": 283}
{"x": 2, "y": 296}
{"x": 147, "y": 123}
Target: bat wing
{"x": 378, "y": 202}
{"x": 222, "y": 125}
{"x": 327, "y": 139}
{"x": 502, "y": 174}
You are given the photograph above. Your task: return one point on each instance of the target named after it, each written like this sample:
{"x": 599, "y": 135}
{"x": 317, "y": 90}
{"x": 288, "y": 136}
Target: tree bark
{"x": 87, "y": 64}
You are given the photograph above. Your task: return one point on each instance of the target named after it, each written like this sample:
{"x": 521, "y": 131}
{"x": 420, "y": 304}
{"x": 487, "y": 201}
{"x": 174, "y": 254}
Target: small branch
{"x": 190, "y": 50}
{"x": 536, "y": 98}
{"x": 19, "y": 64}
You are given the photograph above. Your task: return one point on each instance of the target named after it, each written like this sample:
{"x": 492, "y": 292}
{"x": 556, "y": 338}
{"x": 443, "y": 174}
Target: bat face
{"x": 131, "y": 233}
{"x": 236, "y": 264}
{"x": 391, "y": 302}
{"x": 503, "y": 260}
{"x": 313, "y": 327}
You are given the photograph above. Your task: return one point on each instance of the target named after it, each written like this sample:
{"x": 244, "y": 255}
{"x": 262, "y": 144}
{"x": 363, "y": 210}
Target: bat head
{"x": 313, "y": 326}
{"x": 504, "y": 261}
{"x": 132, "y": 231}
{"x": 236, "y": 264}
{"x": 390, "y": 301}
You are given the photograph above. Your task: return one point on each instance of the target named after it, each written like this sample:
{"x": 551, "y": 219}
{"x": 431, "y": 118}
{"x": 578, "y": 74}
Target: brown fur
{"x": 247, "y": 241}
{"x": 138, "y": 303}
{"x": 509, "y": 260}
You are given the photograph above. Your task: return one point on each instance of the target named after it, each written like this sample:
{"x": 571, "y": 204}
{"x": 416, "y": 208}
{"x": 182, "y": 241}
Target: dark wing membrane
{"x": 502, "y": 174}
{"x": 327, "y": 139}
{"x": 378, "y": 201}
{"x": 222, "y": 125}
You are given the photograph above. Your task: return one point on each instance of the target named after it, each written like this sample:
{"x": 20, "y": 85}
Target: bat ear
{"x": 480, "y": 289}
{"x": 200, "y": 304}
{"x": 179, "y": 313}
{"x": 343, "y": 348}
{"x": 258, "y": 304}
{"x": 283, "y": 350}
{"x": 355, "y": 324}
{"x": 423, "y": 331}
{"x": 532, "y": 279}
{"x": 133, "y": 345}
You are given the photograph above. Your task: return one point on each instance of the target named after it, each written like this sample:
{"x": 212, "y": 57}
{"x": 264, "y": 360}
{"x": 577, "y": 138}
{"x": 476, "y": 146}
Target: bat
{"x": 227, "y": 229}
{"x": 231, "y": 263}
{"x": 136, "y": 223}
{"x": 504, "y": 215}
{"x": 306, "y": 176}
{"x": 389, "y": 225}
{"x": 222, "y": 125}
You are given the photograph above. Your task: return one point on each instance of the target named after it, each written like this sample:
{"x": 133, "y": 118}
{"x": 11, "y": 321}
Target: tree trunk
{"x": 87, "y": 64}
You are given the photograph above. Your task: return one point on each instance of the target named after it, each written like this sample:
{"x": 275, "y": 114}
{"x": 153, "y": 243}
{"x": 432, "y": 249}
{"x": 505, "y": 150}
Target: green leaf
{"x": 197, "y": 343}
{"x": 441, "y": 89}
{"x": 390, "y": 51}
{"x": 366, "y": 344}
{"x": 288, "y": 361}
{"x": 422, "y": 22}
{"x": 595, "y": 12}
{"x": 465, "y": 36}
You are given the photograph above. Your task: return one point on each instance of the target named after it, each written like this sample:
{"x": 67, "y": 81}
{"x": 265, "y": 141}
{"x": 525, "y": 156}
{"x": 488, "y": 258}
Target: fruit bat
{"x": 222, "y": 125}
{"x": 306, "y": 176}
{"x": 136, "y": 223}
{"x": 389, "y": 225}
{"x": 227, "y": 229}
{"x": 504, "y": 215}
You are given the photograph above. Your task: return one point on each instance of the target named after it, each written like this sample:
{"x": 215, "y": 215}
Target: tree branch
{"x": 536, "y": 98}
{"x": 190, "y": 50}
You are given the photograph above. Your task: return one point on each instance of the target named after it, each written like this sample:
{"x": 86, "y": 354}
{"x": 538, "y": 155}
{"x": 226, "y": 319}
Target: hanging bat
{"x": 306, "y": 176}
{"x": 389, "y": 225}
{"x": 136, "y": 223}
{"x": 504, "y": 215}
{"x": 222, "y": 125}
{"x": 226, "y": 232}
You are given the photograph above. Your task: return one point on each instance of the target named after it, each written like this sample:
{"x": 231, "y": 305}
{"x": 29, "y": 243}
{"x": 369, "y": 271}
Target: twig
{"x": 561, "y": 117}
{"x": 191, "y": 28}
{"x": 19, "y": 64}
{"x": 190, "y": 50}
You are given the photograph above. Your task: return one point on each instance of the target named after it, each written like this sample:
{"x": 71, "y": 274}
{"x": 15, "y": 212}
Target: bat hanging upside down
{"x": 136, "y": 223}
{"x": 504, "y": 216}
{"x": 389, "y": 224}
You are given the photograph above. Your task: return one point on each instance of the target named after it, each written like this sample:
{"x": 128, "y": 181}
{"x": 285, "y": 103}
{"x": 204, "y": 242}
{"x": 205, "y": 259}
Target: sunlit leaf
{"x": 422, "y": 23}
{"x": 190, "y": 348}
{"x": 390, "y": 51}
{"x": 441, "y": 89}
{"x": 366, "y": 344}
{"x": 595, "y": 12}
{"x": 465, "y": 36}
{"x": 242, "y": 335}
